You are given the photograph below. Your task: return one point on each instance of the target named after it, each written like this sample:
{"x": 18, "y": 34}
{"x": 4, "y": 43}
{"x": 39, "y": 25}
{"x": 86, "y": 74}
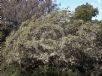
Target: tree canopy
{"x": 14, "y": 12}
{"x": 86, "y": 12}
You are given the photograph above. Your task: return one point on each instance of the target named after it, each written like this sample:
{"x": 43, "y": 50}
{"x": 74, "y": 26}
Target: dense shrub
{"x": 57, "y": 41}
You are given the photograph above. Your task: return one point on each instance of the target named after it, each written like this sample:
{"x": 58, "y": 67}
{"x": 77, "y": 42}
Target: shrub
{"x": 71, "y": 44}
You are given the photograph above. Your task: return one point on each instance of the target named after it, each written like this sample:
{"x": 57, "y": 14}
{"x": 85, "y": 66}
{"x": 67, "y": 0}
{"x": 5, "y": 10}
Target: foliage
{"x": 56, "y": 41}
{"x": 53, "y": 71}
{"x": 14, "y": 12}
{"x": 86, "y": 12}
{"x": 12, "y": 69}
{"x": 14, "y": 9}
{"x": 1, "y": 34}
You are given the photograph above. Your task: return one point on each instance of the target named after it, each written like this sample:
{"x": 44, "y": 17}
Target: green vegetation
{"x": 11, "y": 70}
{"x": 55, "y": 44}
{"x": 14, "y": 69}
{"x": 1, "y": 34}
{"x": 86, "y": 12}
{"x": 55, "y": 40}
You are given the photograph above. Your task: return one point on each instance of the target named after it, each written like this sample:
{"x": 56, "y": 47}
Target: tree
{"x": 86, "y": 12}
{"x": 14, "y": 12}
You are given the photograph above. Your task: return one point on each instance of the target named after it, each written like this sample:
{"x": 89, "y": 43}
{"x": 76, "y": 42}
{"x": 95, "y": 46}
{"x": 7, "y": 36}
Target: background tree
{"x": 14, "y": 12}
{"x": 86, "y": 12}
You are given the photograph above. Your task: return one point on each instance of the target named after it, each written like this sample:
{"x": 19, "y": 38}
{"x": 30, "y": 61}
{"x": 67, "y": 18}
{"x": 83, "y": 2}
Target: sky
{"x": 72, "y": 4}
